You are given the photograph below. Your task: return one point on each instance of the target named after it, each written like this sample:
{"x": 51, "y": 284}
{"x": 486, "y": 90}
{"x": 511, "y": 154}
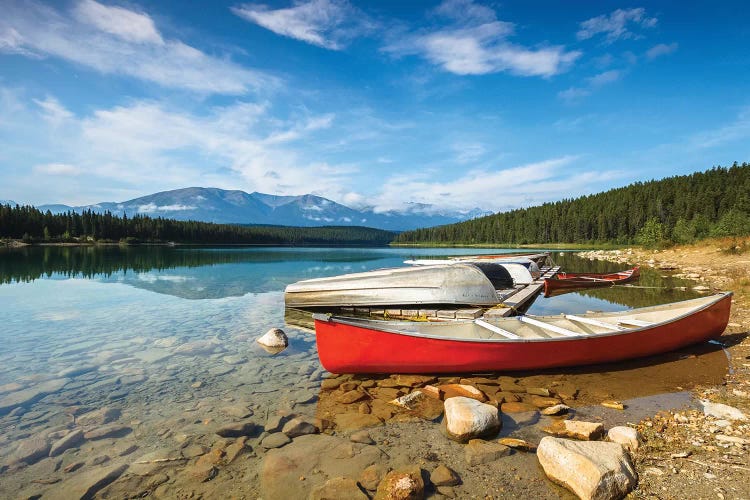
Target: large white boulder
{"x": 467, "y": 418}
{"x": 275, "y": 337}
{"x": 593, "y": 470}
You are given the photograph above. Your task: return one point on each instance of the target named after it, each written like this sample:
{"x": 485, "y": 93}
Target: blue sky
{"x": 458, "y": 104}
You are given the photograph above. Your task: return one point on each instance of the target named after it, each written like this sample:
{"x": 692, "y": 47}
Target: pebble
{"x": 444, "y": 476}
{"x": 518, "y": 444}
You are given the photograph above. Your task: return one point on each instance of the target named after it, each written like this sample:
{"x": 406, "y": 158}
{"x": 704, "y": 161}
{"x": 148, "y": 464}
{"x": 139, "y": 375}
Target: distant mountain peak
{"x": 238, "y": 207}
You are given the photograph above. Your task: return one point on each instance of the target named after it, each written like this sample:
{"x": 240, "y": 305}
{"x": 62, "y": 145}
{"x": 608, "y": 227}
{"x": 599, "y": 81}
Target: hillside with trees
{"x": 679, "y": 209}
{"x": 34, "y": 226}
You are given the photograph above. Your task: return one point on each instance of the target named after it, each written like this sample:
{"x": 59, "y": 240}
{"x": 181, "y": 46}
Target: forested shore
{"x": 30, "y": 225}
{"x": 680, "y": 209}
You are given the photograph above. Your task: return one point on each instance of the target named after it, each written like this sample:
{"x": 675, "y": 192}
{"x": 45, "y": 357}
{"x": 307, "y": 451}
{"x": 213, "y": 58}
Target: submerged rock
{"x": 591, "y": 470}
{"x": 274, "y": 338}
{"x": 467, "y": 418}
{"x": 87, "y": 484}
{"x": 338, "y": 488}
{"x": 238, "y": 429}
{"x": 299, "y": 426}
{"x": 479, "y": 452}
{"x": 70, "y": 440}
{"x": 275, "y": 440}
{"x": 101, "y": 416}
{"x": 31, "y": 450}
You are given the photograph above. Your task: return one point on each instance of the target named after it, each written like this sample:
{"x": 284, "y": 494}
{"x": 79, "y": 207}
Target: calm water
{"x": 166, "y": 335}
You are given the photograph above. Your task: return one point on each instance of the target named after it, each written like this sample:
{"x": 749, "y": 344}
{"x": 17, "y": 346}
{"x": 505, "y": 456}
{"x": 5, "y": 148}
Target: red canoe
{"x": 350, "y": 345}
{"x": 566, "y": 281}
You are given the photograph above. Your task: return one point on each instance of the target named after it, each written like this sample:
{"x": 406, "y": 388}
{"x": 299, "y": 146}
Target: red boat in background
{"x": 351, "y": 345}
{"x": 564, "y": 282}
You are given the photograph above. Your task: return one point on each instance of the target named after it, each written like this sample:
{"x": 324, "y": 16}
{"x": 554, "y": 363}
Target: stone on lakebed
{"x": 274, "y": 338}
{"x": 467, "y": 418}
{"x": 591, "y": 470}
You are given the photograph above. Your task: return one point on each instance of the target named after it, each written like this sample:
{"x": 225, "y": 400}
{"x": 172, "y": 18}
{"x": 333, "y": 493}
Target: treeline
{"x": 678, "y": 209}
{"x": 34, "y": 226}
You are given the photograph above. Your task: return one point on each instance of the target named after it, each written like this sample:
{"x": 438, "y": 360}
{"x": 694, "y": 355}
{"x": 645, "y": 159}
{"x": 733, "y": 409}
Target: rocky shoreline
{"x": 694, "y": 454}
{"x": 217, "y": 416}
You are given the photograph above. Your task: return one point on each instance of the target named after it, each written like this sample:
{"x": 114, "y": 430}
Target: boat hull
{"x": 569, "y": 281}
{"x": 345, "y": 348}
{"x": 454, "y": 284}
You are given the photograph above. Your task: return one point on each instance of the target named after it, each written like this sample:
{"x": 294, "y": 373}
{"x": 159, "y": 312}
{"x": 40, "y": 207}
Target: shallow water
{"x": 166, "y": 336}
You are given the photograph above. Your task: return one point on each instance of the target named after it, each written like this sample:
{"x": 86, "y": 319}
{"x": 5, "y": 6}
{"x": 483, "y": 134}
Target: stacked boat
{"x": 487, "y": 342}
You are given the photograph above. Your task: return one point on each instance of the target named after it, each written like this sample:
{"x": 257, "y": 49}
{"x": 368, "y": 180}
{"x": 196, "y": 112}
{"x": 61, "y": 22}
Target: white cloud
{"x": 126, "y": 24}
{"x": 615, "y": 26}
{"x": 330, "y": 24}
{"x": 63, "y": 169}
{"x": 115, "y": 40}
{"x": 739, "y": 129}
{"x": 661, "y": 49}
{"x": 476, "y": 44}
{"x": 494, "y": 190}
{"x": 468, "y": 152}
{"x": 573, "y": 94}
{"x": 52, "y": 111}
{"x": 605, "y": 78}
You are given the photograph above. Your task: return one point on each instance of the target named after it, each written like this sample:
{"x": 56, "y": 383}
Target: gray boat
{"x": 452, "y": 284}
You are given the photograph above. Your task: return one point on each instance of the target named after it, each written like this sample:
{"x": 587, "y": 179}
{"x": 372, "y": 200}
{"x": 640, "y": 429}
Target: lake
{"x": 150, "y": 350}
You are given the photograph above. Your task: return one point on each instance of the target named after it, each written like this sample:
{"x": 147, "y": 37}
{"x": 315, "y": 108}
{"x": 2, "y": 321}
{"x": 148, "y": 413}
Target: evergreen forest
{"x": 680, "y": 209}
{"x": 34, "y": 226}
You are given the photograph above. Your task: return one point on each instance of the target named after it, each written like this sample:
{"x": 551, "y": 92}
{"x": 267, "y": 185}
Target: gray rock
{"x": 329, "y": 456}
{"x": 70, "y": 440}
{"x": 31, "y": 450}
{"x": 107, "y": 431}
{"x": 238, "y": 429}
{"x": 30, "y": 395}
{"x": 275, "y": 440}
{"x": 275, "y": 423}
{"x": 101, "y": 416}
{"x": 237, "y": 411}
{"x": 591, "y": 470}
{"x": 299, "y": 426}
{"x": 86, "y": 484}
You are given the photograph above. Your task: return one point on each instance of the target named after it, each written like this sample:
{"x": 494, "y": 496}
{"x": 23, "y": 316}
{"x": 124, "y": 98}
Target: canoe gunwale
{"x": 387, "y": 326}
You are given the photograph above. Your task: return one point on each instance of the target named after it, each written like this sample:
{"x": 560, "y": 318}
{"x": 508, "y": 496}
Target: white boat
{"x": 523, "y": 271}
{"x": 454, "y": 284}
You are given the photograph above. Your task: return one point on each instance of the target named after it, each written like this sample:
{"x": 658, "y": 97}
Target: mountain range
{"x": 238, "y": 207}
